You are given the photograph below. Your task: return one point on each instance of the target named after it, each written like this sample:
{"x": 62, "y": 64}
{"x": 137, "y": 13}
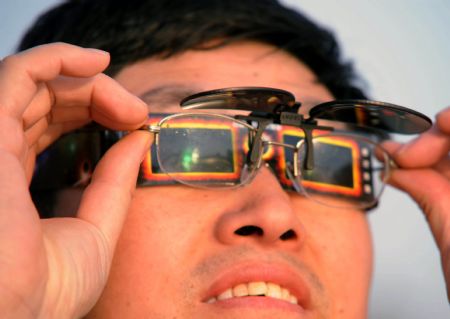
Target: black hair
{"x": 136, "y": 29}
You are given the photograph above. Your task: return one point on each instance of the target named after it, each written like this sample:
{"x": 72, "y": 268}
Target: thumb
{"x": 106, "y": 200}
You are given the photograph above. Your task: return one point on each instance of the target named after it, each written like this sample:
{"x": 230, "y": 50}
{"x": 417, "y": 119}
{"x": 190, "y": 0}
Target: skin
{"x": 327, "y": 247}
{"x": 173, "y": 243}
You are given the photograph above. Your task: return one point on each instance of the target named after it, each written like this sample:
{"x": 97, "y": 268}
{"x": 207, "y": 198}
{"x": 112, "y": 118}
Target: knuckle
{"x": 59, "y": 46}
{"x": 10, "y": 62}
{"x": 102, "y": 78}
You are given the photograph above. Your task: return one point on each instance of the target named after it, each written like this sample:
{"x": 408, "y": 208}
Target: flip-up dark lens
{"x": 245, "y": 98}
{"x": 371, "y": 114}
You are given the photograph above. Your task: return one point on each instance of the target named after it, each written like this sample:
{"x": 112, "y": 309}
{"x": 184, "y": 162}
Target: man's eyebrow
{"x": 167, "y": 95}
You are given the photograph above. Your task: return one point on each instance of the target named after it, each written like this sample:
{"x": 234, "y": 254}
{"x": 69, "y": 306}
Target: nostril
{"x": 249, "y": 230}
{"x": 290, "y": 234}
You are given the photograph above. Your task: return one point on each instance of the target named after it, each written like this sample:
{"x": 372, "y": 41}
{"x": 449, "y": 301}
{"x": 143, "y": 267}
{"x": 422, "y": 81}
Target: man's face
{"x": 181, "y": 247}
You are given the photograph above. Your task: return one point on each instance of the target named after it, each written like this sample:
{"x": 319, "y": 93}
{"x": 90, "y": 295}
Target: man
{"x": 183, "y": 252}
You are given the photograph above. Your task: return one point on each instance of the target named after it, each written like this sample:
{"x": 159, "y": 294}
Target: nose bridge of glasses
{"x": 257, "y": 148}
{"x": 308, "y": 161}
{"x": 291, "y": 167}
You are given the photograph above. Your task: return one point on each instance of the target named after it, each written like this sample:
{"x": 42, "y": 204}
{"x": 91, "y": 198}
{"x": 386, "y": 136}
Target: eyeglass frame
{"x": 258, "y": 143}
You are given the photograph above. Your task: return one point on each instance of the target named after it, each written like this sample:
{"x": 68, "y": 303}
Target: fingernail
{"x": 141, "y": 103}
{"x": 98, "y": 51}
{"x": 148, "y": 138}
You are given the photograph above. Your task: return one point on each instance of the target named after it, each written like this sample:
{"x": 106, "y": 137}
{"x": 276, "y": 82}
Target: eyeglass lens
{"x": 208, "y": 150}
{"x": 349, "y": 171}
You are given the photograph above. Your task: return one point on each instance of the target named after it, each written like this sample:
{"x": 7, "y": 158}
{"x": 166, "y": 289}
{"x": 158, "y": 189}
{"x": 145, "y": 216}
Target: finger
{"x": 39, "y": 106}
{"x": 443, "y": 120}
{"x": 33, "y": 133}
{"x": 43, "y": 106}
{"x": 443, "y": 167}
{"x": 73, "y": 99}
{"x": 53, "y": 132}
{"x": 426, "y": 150}
{"x": 19, "y": 73}
{"x": 99, "y": 98}
{"x": 77, "y": 99}
{"x": 105, "y": 202}
{"x": 40, "y": 136}
{"x": 43, "y": 135}
{"x": 30, "y": 163}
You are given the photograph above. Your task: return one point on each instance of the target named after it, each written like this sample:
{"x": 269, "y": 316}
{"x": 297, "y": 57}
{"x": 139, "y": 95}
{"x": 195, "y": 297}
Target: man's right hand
{"x": 57, "y": 268}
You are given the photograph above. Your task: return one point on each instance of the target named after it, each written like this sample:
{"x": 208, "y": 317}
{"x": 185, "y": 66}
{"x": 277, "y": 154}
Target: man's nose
{"x": 263, "y": 213}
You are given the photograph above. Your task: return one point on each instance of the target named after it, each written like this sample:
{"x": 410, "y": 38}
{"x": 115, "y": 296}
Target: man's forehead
{"x": 167, "y": 97}
{"x": 167, "y": 81}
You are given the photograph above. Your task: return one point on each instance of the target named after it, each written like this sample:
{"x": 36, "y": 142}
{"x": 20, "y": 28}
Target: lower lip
{"x": 260, "y": 303}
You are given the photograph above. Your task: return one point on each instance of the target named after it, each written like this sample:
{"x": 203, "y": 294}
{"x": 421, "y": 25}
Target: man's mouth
{"x": 260, "y": 285}
{"x": 256, "y": 288}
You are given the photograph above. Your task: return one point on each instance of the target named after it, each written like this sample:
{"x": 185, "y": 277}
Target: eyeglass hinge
{"x": 150, "y": 128}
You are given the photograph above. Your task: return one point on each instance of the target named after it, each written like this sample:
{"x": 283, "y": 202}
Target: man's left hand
{"x": 424, "y": 174}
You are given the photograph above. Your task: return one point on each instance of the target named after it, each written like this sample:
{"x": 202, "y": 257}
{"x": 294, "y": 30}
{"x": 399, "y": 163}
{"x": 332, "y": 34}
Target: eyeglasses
{"x": 210, "y": 150}
{"x": 219, "y": 151}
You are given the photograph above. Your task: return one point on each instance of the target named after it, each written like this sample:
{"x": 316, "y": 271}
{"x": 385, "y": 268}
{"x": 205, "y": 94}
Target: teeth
{"x": 273, "y": 291}
{"x": 240, "y": 290}
{"x": 227, "y": 294}
{"x": 285, "y": 294}
{"x": 257, "y": 288}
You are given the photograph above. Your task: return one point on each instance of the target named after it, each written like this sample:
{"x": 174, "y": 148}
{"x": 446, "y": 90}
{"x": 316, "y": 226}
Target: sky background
{"x": 401, "y": 49}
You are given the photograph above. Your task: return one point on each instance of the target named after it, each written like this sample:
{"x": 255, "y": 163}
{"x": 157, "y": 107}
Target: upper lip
{"x": 278, "y": 273}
